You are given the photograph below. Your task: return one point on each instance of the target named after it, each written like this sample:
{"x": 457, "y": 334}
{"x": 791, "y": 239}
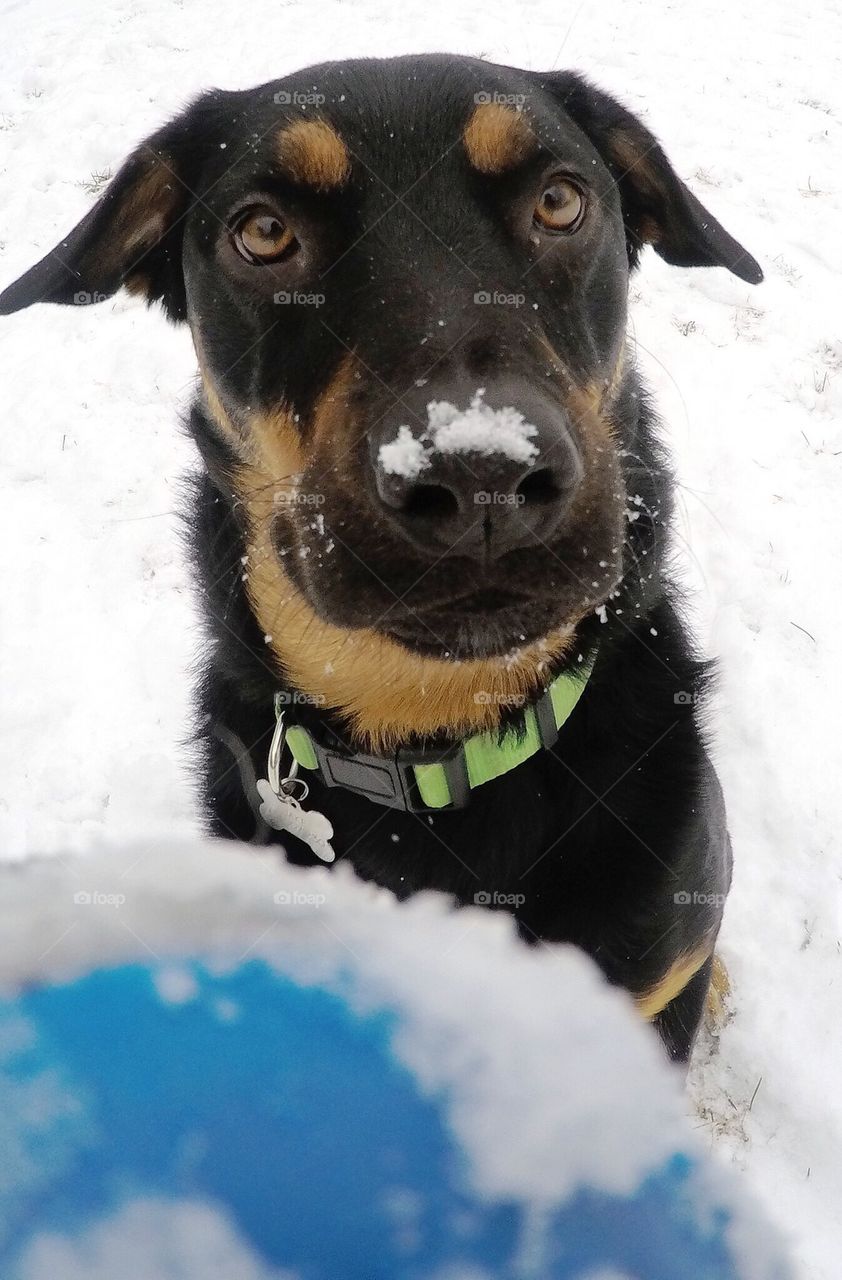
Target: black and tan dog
{"x": 479, "y": 662}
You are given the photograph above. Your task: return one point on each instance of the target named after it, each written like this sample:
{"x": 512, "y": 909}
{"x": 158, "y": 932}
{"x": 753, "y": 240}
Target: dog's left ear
{"x": 133, "y": 234}
{"x": 658, "y": 209}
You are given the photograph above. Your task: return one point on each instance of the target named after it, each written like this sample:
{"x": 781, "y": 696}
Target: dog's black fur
{"x": 601, "y": 840}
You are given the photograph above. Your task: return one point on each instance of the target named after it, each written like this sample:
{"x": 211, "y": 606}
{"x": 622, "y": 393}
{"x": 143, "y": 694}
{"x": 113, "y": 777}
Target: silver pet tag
{"x": 281, "y": 808}
{"x": 284, "y": 813}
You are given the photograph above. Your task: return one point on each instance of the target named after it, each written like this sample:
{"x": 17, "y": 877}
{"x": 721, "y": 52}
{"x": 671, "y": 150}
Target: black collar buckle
{"x": 390, "y": 780}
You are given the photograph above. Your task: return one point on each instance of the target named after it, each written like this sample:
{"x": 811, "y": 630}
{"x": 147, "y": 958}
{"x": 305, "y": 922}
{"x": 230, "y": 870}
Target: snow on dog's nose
{"x": 479, "y": 481}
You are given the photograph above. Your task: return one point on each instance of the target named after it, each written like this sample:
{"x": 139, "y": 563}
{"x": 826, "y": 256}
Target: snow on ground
{"x": 98, "y": 628}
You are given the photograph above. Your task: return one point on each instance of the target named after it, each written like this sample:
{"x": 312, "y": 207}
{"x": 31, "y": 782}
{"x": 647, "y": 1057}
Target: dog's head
{"x": 406, "y": 281}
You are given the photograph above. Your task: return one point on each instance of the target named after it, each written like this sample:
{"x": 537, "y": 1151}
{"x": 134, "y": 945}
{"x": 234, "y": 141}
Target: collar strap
{"x": 439, "y": 778}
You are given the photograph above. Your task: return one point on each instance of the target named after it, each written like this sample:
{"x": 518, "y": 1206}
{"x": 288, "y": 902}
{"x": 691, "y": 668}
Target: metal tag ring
{"x": 288, "y": 786}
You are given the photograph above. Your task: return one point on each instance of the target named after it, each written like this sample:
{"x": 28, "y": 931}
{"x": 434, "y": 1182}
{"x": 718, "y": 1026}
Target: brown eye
{"x": 261, "y": 236}
{"x": 561, "y": 206}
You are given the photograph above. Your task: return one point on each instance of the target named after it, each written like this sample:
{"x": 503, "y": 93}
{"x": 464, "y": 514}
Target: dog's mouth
{"x": 450, "y": 611}
{"x": 481, "y": 624}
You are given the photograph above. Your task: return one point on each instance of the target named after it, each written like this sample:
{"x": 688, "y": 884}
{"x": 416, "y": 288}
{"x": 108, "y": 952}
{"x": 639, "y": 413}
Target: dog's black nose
{"x": 477, "y": 473}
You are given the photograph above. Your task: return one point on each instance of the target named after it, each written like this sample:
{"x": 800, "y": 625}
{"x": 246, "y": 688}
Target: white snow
{"x": 96, "y": 617}
{"x": 147, "y": 1237}
{"x": 477, "y": 429}
{"x": 406, "y": 455}
{"x": 176, "y": 985}
{"x": 481, "y": 429}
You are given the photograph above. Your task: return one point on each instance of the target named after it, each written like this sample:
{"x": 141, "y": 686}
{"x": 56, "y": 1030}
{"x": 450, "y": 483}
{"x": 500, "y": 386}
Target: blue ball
{"x": 214, "y": 1066}
{"x": 238, "y": 1125}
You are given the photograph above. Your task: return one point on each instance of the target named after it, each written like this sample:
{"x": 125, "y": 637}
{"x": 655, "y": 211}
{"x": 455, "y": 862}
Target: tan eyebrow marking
{"x": 498, "y": 137}
{"x": 312, "y": 152}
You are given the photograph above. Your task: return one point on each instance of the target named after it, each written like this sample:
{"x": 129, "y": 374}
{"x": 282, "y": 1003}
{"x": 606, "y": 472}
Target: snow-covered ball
{"x": 217, "y": 1067}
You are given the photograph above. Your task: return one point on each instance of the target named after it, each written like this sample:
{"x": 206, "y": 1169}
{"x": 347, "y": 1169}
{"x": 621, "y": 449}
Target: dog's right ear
{"x": 133, "y": 234}
{"x": 658, "y": 208}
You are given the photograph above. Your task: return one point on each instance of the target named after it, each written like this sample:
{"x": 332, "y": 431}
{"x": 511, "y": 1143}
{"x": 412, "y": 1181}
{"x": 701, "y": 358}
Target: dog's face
{"x": 411, "y": 244}
{"x": 355, "y": 247}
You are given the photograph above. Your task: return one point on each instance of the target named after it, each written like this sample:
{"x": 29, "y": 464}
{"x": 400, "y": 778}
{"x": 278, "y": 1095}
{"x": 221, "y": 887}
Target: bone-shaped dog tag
{"x": 284, "y": 813}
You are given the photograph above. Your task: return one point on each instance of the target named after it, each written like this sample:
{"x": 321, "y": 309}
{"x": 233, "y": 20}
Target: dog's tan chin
{"x": 385, "y": 693}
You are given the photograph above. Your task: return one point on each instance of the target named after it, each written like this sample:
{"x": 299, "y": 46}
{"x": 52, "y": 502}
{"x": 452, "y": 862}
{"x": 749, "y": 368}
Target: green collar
{"x": 436, "y": 778}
